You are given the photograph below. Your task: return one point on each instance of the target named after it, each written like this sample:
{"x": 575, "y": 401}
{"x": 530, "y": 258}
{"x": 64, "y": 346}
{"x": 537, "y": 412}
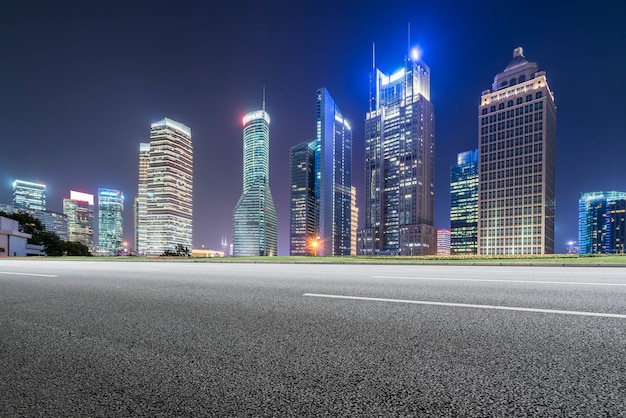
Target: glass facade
{"x": 321, "y": 181}
{"x": 333, "y": 177}
{"x": 79, "y": 211}
{"x": 399, "y": 165}
{"x": 164, "y": 206}
{"x": 602, "y": 223}
{"x": 27, "y": 195}
{"x": 517, "y": 146}
{"x": 110, "y": 225}
{"x": 464, "y": 204}
{"x": 255, "y": 226}
{"x": 302, "y": 208}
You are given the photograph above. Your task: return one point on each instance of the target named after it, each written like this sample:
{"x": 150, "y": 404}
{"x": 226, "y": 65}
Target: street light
{"x": 315, "y": 243}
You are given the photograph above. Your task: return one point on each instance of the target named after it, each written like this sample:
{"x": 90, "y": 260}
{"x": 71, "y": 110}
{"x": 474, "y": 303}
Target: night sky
{"x": 81, "y": 82}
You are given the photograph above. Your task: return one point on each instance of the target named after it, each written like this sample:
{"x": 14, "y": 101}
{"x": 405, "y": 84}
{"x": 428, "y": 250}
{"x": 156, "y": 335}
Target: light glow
{"x": 82, "y": 197}
{"x": 257, "y": 114}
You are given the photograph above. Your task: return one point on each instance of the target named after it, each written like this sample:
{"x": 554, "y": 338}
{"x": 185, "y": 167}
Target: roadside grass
{"x": 552, "y": 259}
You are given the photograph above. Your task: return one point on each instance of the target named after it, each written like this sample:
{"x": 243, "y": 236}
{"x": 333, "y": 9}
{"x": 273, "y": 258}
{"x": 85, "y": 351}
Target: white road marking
{"x": 499, "y": 280}
{"x": 28, "y": 274}
{"x": 467, "y": 305}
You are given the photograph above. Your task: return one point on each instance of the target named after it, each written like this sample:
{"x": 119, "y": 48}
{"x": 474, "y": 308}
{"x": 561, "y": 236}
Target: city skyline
{"x": 69, "y": 69}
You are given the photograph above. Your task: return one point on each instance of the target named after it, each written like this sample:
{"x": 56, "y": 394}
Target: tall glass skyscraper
{"x": 399, "y": 164}
{"x": 333, "y": 177}
{"x": 517, "y": 146}
{"x": 464, "y": 203}
{"x": 110, "y": 225}
{"x": 27, "y": 195}
{"x": 321, "y": 181}
{"x": 164, "y": 206}
{"x": 303, "y": 210}
{"x": 255, "y": 227}
{"x": 602, "y": 223}
{"x": 79, "y": 211}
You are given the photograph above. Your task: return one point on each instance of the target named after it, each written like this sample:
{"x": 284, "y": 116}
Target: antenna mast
{"x": 264, "y": 97}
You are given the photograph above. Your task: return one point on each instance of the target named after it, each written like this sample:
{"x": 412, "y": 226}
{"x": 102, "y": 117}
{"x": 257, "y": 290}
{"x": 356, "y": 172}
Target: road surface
{"x": 94, "y": 338}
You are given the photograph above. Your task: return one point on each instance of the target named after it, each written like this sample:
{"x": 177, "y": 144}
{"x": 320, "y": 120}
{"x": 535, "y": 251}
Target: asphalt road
{"x": 229, "y": 340}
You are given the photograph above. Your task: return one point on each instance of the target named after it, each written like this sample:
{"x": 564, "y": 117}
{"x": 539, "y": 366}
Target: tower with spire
{"x": 254, "y": 222}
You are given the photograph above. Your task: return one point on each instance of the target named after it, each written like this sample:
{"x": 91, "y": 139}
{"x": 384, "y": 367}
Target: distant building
{"x": 164, "y": 206}
{"x": 321, "y": 177}
{"x": 354, "y": 222}
{"x": 255, "y": 227}
{"x": 399, "y": 164}
{"x": 517, "y": 145}
{"x": 140, "y": 206}
{"x": 443, "y": 242}
{"x": 201, "y": 252}
{"x": 52, "y": 221}
{"x": 27, "y": 195}
{"x": 464, "y": 204}
{"x": 79, "y": 211}
{"x": 110, "y": 222}
{"x": 602, "y": 223}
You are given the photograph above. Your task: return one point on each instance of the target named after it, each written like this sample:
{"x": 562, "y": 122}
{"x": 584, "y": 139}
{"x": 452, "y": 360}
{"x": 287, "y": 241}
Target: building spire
{"x": 264, "y": 97}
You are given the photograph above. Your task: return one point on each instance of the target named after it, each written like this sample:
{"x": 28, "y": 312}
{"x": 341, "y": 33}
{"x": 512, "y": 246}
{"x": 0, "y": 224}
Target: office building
{"x": 354, "y": 222}
{"x": 110, "y": 225}
{"x": 79, "y": 211}
{"x": 53, "y": 221}
{"x": 602, "y": 223}
{"x": 254, "y": 219}
{"x": 443, "y": 242}
{"x": 333, "y": 177}
{"x": 139, "y": 207}
{"x": 27, "y": 195}
{"x": 302, "y": 207}
{"x": 464, "y": 204}
{"x": 321, "y": 181}
{"x": 517, "y": 140}
{"x": 399, "y": 164}
{"x": 164, "y": 207}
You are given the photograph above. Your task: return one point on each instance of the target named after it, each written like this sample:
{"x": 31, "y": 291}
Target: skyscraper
{"x": 110, "y": 225}
{"x": 321, "y": 181}
{"x": 399, "y": 164}
{"x": 27, "y": 195}
{"x": 464, "y": 203}
{"x": 79, "y": 211}
{"x": 602, "y": 223}
{"x": 517, "y": 145}
{"x": 302, "y": 220}
{"x": 333, "y": 177}
{"x": 254, "y": 221}
{"x": 164, "y": 204}
{"x": 140, "y": 207}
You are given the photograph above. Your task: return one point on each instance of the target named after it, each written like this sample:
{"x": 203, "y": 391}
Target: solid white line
{"x": 28, "y": 274}
{"x": 466, "y": 305}
{"x": 498, "y": 280}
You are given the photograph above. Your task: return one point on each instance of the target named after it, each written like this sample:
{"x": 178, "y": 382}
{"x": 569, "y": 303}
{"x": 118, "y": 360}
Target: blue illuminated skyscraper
{"x": 399, "y": 164}
{"x": 333, "y": 177}
{"x": 321, "y": 181}
{"x": 464, "y": 203}
{"x": 110, "y": 232}
{"x": 602, "y": 223}
{"x": 255, "y": 224}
